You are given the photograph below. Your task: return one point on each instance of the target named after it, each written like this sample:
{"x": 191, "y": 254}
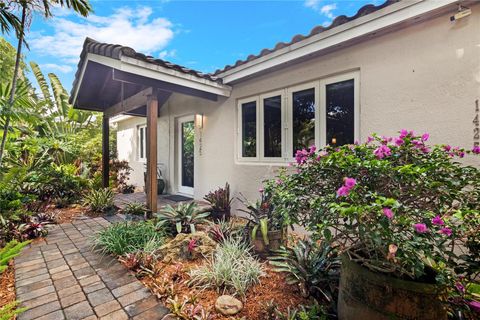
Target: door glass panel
{"x": 272, "y": 126}
{"x": 303, "y": 119}
{"x": 188, "y": 139}
{"x": 340, "y": 113}
{"x": 249, "y": 129}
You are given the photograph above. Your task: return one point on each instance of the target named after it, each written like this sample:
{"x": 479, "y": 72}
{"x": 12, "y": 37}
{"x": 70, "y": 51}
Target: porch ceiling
{"x": 109, "y": 76}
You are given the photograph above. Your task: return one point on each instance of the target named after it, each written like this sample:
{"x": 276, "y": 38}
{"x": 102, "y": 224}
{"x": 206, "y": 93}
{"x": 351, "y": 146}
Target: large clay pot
{"x": 275, "y": 240}
{"x": 160, "y": 184}
{"x": 368, "y": 295}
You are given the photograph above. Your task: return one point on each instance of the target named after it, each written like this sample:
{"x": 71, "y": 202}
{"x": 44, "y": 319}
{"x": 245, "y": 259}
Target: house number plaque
{"x": 476, "y": 123}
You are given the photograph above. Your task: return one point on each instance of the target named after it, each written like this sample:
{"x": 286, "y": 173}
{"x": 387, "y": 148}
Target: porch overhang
{"x": 115, "y": 80}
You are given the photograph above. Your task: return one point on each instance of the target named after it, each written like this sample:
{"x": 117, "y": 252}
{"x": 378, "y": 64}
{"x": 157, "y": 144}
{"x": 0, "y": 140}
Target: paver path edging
{"x": 61, "y": 277}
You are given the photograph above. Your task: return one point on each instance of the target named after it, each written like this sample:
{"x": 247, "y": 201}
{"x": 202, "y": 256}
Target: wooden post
{"x": 105, "y": 152}
{"x": 152, "y": 117}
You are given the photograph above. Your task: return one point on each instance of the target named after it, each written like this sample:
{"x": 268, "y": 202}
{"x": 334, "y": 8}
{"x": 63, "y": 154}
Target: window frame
{"x": 240, "y": 127}
{"x": 140, "y": 144}
{"x": 290, "y": 91}
{"x": 261, "y": 128}
{"x": 286, "y": 94}
{"x": 323, "y": 103}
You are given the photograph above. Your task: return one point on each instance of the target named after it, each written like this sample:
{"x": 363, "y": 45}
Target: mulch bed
{"x": 66, "y": 215}
{"x": 173, "y": 281}
{"x": 7, "y": 286}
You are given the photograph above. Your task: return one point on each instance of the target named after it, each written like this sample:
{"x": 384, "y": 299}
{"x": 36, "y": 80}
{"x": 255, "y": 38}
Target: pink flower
{"x": 474, "y": 305}
{"x": 476, "y": 149}
{"x": 403, "y": 133}
{"x": 350, "y": 183}
{"x": 369, "y": 139}
{"x": 279, "y": 181}
{"x": 461, "y": 154}
{"x": 425, "y": 149}
{"x": 425, "y": 136}
{"x": 438, "y": 221}
{"x": 388, "y": 213}
{"x": 382, "y": 152}
{"x": 446, "y": 231}
{"x": 343, "y": 191}
{"x": 261, "y": 190}
{"x": 386, "y": 139}
{"x": 398, "y": 141}
{"x": 447, "y": 147}
{"x": 460, "y": 287}
{"x": 312, "y": 149}
{"x": 301, "y": 156}
{"x": 420, "y": 227}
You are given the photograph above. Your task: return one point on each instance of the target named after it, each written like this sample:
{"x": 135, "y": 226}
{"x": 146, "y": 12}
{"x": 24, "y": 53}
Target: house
{"x": 402, "y": 64}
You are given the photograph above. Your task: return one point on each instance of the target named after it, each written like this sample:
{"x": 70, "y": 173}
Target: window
{"x": 249, "y": 129}
{"x": 142, "y": 142}
{"x": 271, "y": 113}
{"x": 273, "y": 126}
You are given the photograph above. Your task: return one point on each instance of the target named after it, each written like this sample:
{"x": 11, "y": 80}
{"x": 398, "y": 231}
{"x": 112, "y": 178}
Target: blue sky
{"x": 198, "y": 34}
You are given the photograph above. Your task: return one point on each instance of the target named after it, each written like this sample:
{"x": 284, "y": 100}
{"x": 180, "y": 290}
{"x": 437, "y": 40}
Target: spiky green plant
{"x": 10, "y": 310}
{"x": 315, "y": 268}
{"x": 232, "y": 269}
{"x": 181, "y": 219}
{"x": 10, "y": 251}
{"x": 134, "y": 208}
{"x": 126, "y": 237}
{"x": 100, "y": 200}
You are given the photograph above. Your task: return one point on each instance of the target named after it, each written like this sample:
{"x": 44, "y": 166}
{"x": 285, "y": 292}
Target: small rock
{"x": 228, "y": 305}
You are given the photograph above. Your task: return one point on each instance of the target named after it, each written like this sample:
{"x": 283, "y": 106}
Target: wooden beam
{"x": 152, "y": 119}
{"x": 105, "y": 152}
{"x": 129, "y": 104}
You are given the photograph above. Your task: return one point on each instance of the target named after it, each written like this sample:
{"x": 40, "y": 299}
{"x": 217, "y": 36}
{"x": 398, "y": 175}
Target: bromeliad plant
{"x": 314, "y": 267}
{"x": 261, "y": 216}
{"x": 220, "y": 202}
{"x": 181, "y": 219}
{"x": 393, "y": 204}
{"x": 100, "y": 201}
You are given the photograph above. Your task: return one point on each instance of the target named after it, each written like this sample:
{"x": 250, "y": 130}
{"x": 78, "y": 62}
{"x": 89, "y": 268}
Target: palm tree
{"x": 27, "y": 7}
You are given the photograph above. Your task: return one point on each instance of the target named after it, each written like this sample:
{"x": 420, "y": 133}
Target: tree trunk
{"x": 14, "y": 82}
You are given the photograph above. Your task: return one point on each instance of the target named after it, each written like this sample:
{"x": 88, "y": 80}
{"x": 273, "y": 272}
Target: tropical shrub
{"x": 10, "y": 251}
{"x": 181, "y": 219}
{"x": 127, "y": 237}
{"x": 314, "y": 267}
{"x": 101, "y": 200}
{"x": 220, "y": 202}
{"x": 223, "y": 229}
{"x": 134, "y": 209}
{"x": 393, "y": 204}
{"x": 232, "y": 269}
{"x": 260, "y": 215}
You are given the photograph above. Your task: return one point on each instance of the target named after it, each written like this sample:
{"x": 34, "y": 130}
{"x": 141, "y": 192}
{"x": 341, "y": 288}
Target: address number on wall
{"x": 476, "y": 123}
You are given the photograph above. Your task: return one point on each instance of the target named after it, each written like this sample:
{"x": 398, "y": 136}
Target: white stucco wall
{"x": 425, "y": 78}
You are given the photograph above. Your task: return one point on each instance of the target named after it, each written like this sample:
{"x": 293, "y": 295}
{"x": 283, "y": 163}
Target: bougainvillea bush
{"x": 394, "y": 204}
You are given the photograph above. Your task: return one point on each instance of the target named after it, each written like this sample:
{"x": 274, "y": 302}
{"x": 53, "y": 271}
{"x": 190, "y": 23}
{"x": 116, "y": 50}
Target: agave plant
{"x": 315, "y": 268}
{"x": 181, "y": 219}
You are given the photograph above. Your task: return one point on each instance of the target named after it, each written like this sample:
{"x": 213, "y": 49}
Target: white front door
{"x": 185, "y": 154}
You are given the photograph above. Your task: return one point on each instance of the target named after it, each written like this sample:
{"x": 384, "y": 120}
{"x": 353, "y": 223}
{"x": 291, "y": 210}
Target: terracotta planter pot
{"x": 369, "y": 295}
{"x": 275, "y": 238}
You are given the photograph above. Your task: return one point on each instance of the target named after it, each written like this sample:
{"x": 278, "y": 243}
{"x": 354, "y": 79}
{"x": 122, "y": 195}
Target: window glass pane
{"x": 249, "y": 129}
{"x": 340, "y": 113}
{"x": 188, "y": 142}
{"x": 142, "y": 143}
{"x": 272, "y": 126}
{"x": 303, "y": 119}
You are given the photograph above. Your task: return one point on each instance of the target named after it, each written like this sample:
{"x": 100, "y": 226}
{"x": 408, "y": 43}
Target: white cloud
{"x": 58, "y": 67}
{"x": 133, "y": 27}
{"x": 165, "y": 54}
{"x": 325, "y": 10}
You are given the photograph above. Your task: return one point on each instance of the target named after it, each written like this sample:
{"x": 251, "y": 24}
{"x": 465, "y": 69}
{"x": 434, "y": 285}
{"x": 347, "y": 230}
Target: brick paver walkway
{"x": 62, "y": 278}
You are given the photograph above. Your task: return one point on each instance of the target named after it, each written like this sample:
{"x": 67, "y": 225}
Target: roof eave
{"x": 387, "y": 17}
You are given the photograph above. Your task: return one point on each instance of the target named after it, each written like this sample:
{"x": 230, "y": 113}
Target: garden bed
{"x": 173, "y": 281}
{"x": 7, "y": 286}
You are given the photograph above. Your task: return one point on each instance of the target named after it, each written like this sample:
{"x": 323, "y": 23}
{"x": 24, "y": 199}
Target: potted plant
{"x": 220, "y": 203}
{"x": 266, "y": 229}
{"x": 402, "y": 213}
